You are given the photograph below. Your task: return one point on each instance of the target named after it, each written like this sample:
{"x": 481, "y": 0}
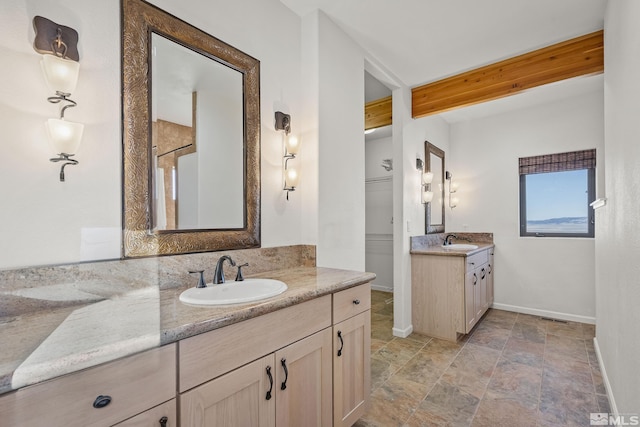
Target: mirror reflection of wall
{"x": 197, "y": 135}
{"x": 437, "y": 186}
{"x": 434, "y": 210}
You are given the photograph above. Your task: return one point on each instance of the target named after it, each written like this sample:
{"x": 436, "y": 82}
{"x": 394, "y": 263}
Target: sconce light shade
{"x": 291, "y": 178}
{"x": 427, "y": 196}
{"x": 292, "y": 144}
{"x": 60, "y": 74}
{"x": 65, "y": 136}
{"x": 427, "y": 177}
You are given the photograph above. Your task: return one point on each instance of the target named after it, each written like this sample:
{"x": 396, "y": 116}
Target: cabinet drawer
{"x": 476, "y": 260}
{"x": 350, "y": 302}
{"x": 209, "y": 355}
{"x": 135, "y": 384}
{"x": 152, "y": 417}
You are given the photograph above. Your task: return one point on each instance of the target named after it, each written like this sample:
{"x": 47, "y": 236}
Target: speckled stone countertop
{"x": 431, "y": 244}
{"x": 439, "y": 250}
{"x": 56, "y": 337}
{"x": 180, "y": 321}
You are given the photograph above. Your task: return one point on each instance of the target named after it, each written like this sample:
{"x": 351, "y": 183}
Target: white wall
{"x": 44, "y": 220}
{"x": 379, "y": 213}
{"x": 618, "y": 223}
{"x": 340, "y": 96}
{"x": 552, "y": 275}
{"x": 409, "y": 213}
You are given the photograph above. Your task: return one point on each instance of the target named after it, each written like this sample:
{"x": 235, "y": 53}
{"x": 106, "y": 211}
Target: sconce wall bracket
{"x": 55, "y": 39}
{"x": 283, "y": 122}
{"x": 68, "y": 161}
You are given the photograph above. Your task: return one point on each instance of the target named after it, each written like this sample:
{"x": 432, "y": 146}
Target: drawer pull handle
{"x": 483, "y": 274}
{"x": 163, "y": 421}
{"x": 283, "y": 386}
{"x": 270, "y": 382}
{"x": 475, "y": 279}
{"x": 356, "y": 301}
{"x": 101, "y": 401}
{"x": 341, "y": 343}
{"x": 490, "y": 269}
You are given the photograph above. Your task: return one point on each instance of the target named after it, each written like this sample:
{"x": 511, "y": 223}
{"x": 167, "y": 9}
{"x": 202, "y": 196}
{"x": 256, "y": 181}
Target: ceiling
{"x": 425, "y": 40}
{"x": 421, "y": 41}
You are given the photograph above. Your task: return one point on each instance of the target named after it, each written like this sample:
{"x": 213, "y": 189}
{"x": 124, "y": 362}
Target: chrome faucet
{"x": 447, "y": 239}
{"x": 218, "y": 276}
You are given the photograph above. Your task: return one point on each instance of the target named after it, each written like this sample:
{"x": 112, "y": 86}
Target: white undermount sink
{"x": 460, "y": 246}
{"x": 248, "y": 290}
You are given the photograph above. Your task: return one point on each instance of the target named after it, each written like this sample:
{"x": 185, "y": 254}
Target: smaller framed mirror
{"x": 434, "y": 210}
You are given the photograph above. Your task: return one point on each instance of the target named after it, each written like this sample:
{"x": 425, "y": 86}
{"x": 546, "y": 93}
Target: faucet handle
{"x": 201, "y": 283}
{"x": 239, "y": 276}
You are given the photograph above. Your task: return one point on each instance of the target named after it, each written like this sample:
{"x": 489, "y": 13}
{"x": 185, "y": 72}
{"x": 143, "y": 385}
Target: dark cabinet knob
{"x": 101, "y": 401}
{"x": 356, "y": 301}
{"x": 163, "y": 421}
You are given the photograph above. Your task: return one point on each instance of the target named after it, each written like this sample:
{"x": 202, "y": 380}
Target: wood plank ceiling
{"x": 572, "y": 58}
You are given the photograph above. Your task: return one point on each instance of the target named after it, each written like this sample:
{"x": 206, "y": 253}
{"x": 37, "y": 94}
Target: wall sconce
{"x": 453, "y": 187}
{"x": 291, "y": 146}
{"x": 427, "y": 194}
{"x": 59, "y": 46}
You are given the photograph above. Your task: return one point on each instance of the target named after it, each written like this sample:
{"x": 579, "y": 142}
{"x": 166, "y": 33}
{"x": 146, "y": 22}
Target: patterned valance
{"x": 585, "y": 159}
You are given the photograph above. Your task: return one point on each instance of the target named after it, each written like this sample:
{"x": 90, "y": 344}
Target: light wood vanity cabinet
{"x": 351, "y": 355}
{"x": 294, "y": 350}
{"x": 450, "y": 293}
{"x": 278, "y": 369}
{"x": 134, "y": 384}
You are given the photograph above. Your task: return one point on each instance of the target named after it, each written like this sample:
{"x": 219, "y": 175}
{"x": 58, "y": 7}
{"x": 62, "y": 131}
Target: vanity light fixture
{"x": 427, "y": 194}
{"x": 453, "y": 187}
{"x": 291, "y": 146}
{"x": 59, "y": 46}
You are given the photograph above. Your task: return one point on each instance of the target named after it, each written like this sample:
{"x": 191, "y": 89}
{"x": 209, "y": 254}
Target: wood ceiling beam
{"x": 377, "y": 113}
{"x": 572, "y": 58}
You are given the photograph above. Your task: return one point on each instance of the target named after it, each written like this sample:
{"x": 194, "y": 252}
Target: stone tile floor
{"x": 511, "y": 370}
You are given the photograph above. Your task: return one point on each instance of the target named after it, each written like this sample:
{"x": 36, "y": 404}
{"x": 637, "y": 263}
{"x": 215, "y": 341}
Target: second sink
{"x": 249, "y": 290}
{"x": 460, "y": 246}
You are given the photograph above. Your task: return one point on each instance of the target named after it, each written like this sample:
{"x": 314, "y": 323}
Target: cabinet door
{"x": 351, "y": 369}
{"x": 490, "y": 279}
{"x": 161, "y": 416}
{"x": 238, "y": 398}
{"x": 303, "y": 382}
{"x": 481, "y": 294}
{"x": 470, "y": 285}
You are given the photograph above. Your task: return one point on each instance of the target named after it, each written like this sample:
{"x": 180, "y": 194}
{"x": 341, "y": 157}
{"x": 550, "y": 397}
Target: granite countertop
{"x": 442, "y": 251}
{"x": 72, "y": 327}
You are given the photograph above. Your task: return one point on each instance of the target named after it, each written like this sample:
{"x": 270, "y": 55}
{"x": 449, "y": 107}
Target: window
{"x": 555, "y": 192}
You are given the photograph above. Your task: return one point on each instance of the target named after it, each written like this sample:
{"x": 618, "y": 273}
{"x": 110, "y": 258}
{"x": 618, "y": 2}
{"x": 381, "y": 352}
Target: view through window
{"x": 555, "y": 192}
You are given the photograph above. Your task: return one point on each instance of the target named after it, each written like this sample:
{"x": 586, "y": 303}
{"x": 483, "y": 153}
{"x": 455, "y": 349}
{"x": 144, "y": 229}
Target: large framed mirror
{"x": 434, "y": 210}
{"x": 191, "y": 138}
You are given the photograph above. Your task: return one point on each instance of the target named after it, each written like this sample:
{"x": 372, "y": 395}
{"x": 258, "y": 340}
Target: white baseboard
{"x": 403, "y": 333}
{"x": 545, "y": 313}
{"x": 605, "y": 379}
{"x": 382, "y": 288}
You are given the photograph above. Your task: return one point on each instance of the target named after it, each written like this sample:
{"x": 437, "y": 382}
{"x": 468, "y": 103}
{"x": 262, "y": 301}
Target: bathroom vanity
{"x": 451, "y": 289}
{"x": 301, "y": 358}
